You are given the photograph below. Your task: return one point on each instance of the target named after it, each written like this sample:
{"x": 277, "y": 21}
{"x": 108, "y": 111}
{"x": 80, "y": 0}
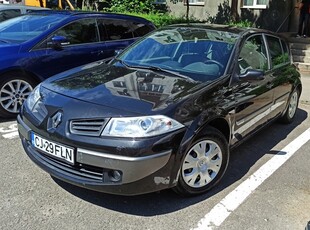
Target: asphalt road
{"x": 31, "y": 199}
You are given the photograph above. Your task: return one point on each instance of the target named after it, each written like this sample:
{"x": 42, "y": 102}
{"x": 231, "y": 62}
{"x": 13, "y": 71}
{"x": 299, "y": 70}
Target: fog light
{"x": 115, "y": 175}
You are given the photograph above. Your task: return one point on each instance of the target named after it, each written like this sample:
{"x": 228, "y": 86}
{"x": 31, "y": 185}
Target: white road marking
{"x": 231, "y": 202}
{"x": 11, "y": 128}
{"x": 11, "y": 135}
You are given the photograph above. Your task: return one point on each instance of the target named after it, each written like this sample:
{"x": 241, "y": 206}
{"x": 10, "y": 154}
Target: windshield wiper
{"x": 153, "y": 68}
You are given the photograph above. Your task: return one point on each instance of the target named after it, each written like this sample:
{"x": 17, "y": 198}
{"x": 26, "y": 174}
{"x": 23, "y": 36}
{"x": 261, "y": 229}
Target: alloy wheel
{"x": 13, "y": 94}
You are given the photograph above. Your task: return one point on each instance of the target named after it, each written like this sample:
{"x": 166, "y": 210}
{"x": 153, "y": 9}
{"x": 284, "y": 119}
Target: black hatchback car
{"x": 163, "y": 114}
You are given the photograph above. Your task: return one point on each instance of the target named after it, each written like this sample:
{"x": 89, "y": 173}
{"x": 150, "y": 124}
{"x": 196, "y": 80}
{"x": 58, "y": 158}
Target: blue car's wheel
{"x": 14, "y": 90}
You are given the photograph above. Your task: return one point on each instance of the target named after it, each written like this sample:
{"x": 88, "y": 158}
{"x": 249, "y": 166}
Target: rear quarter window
{"x": 10, "y": 13}
{"x": 140, "y": 29}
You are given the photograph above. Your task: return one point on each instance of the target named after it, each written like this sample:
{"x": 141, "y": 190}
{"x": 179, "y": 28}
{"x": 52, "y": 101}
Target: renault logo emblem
{"x": 56, "y": 120}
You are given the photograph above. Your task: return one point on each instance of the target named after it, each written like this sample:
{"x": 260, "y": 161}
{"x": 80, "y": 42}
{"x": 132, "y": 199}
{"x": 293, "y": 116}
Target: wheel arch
{"x": 219, "y": 123}
{"x": 33, "y": 76}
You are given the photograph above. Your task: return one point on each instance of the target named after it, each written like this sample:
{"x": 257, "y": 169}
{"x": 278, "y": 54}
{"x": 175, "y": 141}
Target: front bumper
{"x": 96, "y": 170}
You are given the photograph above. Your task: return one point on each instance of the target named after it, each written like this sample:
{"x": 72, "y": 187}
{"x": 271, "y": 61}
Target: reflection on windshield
{"x": 24, "y": 28}
{"x": 201, "y": 54}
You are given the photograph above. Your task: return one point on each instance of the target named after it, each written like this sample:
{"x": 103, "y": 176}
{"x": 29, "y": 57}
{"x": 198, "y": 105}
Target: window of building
{"x": 259, "y": 4}
{"x": 160, "y": 1}
{"x": 195, "y": 2}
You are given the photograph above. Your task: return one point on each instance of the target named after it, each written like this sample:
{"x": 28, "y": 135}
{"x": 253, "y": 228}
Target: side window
{"x": 140, "y": 29}
{"x": 79, "y": 32}
{"x": 253, "y": 54}
{"x": 286, "y": 57}
{"x": 114, "y": 30}
{"x": 6, "y": 14}
{"x": 277, "y": 55}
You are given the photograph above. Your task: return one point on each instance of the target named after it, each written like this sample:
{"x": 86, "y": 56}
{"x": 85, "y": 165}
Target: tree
{"x": 234, "y": 10}
{"x": 187, "y": 10}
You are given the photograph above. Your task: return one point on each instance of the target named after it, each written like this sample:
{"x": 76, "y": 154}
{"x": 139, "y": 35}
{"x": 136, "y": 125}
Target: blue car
{"x": 36, "y": 46}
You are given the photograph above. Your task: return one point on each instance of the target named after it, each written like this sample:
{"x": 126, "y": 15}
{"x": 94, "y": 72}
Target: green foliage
{"x": 132, "y": 6}
{"x": 161, "y": 19}
{"x": 244, "y": 23}
{"x": 146, "y": 9}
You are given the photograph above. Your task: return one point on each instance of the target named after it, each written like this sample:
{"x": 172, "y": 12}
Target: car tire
{"x": 204, "y": 164}
{"x": 291, "y": 109}
{"x": 14, "y": 90}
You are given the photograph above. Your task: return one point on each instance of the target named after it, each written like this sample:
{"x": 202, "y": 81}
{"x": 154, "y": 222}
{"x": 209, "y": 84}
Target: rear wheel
{"x": 14, "y": 90}
{"x": 291, "y": 109}
{"x": 204, "y": 164}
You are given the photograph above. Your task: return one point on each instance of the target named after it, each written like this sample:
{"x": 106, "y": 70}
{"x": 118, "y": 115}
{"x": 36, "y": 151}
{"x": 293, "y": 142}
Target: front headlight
{"x": 140, "y": 126}
{"x": 33, "y": 97}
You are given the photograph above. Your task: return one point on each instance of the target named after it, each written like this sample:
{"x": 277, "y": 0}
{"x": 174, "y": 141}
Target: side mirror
{"x": 252, "y": 74}
{"x": 59, "y": 41}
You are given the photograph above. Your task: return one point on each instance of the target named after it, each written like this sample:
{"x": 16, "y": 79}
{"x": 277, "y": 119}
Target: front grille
{"x": 87, "y": 127}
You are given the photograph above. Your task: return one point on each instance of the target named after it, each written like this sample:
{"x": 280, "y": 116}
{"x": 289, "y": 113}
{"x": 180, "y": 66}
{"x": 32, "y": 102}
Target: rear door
{"x": 117, "y": 34}
{"x": 280, "y": 73}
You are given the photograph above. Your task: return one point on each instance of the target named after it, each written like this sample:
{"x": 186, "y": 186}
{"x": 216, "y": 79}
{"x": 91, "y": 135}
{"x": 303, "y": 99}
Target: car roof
{"x": 91, "y": 13}
{"x": 225, "y": 28}
{"x": 17, "y": 6}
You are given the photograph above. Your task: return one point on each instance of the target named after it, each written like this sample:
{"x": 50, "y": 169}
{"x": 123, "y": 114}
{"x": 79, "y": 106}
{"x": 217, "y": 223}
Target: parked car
{"x": 36, "y": 46}
{"x": 8, "y": 11}
{"x": 164, "y": 113}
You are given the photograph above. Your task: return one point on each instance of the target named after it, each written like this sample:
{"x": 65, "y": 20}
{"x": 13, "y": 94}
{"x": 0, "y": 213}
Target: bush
{"x": 133, "y": 6}
{"x": 160, "y": 19}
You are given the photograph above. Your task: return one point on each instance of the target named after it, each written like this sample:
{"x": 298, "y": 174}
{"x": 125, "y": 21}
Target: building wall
{"x": 202, "y": 12}
{"x": 279, "y": 16}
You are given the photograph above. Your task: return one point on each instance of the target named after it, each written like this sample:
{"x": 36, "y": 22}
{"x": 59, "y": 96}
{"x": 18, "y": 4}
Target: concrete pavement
{"x": 305, "y": 95}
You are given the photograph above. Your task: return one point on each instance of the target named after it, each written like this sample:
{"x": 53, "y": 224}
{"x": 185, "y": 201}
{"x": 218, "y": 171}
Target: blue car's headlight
{"x": 33, "y": 98}
{"x": 140, "y": 126}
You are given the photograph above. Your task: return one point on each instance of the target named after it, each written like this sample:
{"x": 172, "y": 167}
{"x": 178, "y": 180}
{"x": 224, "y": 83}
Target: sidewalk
{"x": 305, "y": 95}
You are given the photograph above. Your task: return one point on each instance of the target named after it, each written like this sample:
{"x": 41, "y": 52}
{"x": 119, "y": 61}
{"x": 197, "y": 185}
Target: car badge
{"x": 56, "y": 120}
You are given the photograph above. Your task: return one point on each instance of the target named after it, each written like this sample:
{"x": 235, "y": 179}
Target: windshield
{"x": 24, "y": 28}
{"x": 201, "y": 54}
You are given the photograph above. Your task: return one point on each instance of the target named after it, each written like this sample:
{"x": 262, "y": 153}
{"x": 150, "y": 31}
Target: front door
{"x": 253, "y": 96}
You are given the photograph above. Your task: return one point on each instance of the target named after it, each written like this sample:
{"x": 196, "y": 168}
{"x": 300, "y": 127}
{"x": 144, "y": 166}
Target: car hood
{"x": 138, "y": 91}
{"x": 8, "y": 48}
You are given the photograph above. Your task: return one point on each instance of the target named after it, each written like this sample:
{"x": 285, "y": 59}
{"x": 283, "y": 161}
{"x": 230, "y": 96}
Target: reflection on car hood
{"x": 141, "y": 91}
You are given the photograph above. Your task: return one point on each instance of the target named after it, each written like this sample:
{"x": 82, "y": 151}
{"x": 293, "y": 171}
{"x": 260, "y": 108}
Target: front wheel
{"x": 14, "y": 90}
{"x": 204, "y": 164}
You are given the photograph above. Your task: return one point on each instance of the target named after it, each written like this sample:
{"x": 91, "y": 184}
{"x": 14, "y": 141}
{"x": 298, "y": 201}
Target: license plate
{"x": 54, "y": 149}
